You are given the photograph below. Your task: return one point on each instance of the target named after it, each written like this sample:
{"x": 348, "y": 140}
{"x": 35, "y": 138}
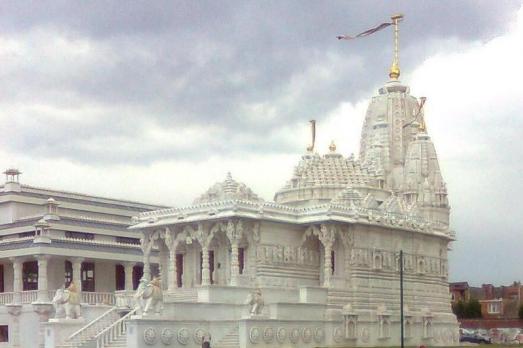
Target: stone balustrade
{"x": 27, "y": 297}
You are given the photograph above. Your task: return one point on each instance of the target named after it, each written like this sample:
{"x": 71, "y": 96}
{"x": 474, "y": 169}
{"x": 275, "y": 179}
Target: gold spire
{"x": 394, "y": 71}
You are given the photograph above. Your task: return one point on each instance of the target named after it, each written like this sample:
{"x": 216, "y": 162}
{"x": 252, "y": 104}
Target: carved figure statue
{"x": 58, "y": 304}
{"x": 255, "y": 300}
{"x": 67, "y": 302}
{"x": 149, "y": 296}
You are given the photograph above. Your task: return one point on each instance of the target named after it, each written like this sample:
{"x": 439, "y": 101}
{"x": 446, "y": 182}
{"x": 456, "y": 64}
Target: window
{"x": 88, "y": 276}
{"x": 127, "y": 240}
{"x": 79, "y": 235}
{"x": 2, "y": 278}
{"x": 119, "y": 274}
{"x": 179, "y": 270}
{"x": 493, "y": 307}
{"x": 30, "y": 275}
{"x": 333, "y": 261}
{"x": 241, "y": 259}
{"x": 4, "y": 333}
{"x": 68, "y": 275}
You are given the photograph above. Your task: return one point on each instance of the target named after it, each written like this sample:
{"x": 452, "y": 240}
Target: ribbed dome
{"x": 227, "y": 190}
{"x": 320, "y": 178}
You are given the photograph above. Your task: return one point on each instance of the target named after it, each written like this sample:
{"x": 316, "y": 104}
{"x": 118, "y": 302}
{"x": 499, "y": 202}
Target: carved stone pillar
{"x": 77, "y": 272}
{"x": 163, "y": 267}
{"x": 347, "y": 238}
{"x": 128, "y": 269}
{"x": 234, "y": 233}
{"x": 43, "y": 310}
{"x": 14, "y": 311}
{"x": 204, "y": 237}
{"x": 327, "y": 237}
{"x": 18, "y": 284}
{"x": 43, "y": 295}
{"x": 146, "y": 244}
{"x": 206, "y": 273}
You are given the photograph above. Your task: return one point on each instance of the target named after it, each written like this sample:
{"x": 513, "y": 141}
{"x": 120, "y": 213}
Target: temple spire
{"x": 394, "y": 71}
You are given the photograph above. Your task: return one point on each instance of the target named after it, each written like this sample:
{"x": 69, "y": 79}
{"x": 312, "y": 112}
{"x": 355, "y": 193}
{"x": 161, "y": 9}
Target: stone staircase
{"x": 120, "y": 342}
{"x": 230, "y": 340}
{"x": 89, "y": 331}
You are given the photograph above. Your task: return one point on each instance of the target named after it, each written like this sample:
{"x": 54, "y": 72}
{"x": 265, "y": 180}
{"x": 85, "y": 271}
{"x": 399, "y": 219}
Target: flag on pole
{"x": 365, "y": 33}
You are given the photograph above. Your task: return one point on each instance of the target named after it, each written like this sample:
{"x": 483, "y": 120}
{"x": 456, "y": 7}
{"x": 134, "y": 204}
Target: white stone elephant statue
{"x": 67, "y": 303}
{"x": 149, "y": 296}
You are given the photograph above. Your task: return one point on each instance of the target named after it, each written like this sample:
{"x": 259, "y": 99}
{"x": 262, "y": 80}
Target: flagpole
{"x": 394, "y": 72}
{"x": 401, "y": 299}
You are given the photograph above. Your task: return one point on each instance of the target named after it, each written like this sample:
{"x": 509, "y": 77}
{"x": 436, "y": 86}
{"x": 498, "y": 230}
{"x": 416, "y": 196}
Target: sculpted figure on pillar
{"x": 255, "y": 300}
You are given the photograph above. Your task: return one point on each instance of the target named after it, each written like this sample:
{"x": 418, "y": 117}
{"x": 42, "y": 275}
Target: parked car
{"x": 475, "y": 338}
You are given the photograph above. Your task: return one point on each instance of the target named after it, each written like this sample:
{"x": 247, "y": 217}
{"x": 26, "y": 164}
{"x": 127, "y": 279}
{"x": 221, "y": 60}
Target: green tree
{"x": 459, "y": 309}
{"x": 472, "y": 309}
{"x": 520, "y": 312}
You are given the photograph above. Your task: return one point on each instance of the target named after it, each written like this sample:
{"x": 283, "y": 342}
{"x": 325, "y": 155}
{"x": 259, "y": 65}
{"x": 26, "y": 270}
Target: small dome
{"x": 229, "y": 189}
{"x": 349, "y": 197}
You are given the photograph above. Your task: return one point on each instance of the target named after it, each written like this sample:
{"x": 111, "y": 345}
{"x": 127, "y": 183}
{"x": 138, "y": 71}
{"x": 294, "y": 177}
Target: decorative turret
{"x": 423, "y": 183}
{"x": 229, "y": 189}
{"x": 12, "y": 180}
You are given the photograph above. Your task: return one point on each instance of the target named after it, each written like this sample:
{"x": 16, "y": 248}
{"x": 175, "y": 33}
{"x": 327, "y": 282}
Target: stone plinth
{"x": 57, "y": 330}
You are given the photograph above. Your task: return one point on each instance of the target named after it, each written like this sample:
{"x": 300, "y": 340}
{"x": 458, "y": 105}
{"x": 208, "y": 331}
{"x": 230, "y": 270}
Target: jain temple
{"x": 318, "y": 266}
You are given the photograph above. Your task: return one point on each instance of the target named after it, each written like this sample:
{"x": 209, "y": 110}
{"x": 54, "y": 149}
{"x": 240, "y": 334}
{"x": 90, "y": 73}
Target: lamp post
{"x": 401, "y": 299}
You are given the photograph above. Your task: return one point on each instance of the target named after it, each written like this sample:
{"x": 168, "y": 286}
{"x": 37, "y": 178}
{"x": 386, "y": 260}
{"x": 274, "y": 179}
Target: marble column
{"x": 43, "y": 295}
{"x": 172, "y": 285}
{"x": 235, "y": 264}
{"x": 326, "y": 235}
{"x": 77, "y": 272}
{"x": 206, "y": 274}
{"x": 163, "y": 267}
{"x": 146, "y": 267}
{"x": 128, "y": 269}
{"x": 18, "y": 284}
{"x": 327, "y": 267}
{"x": 43, "y": 310}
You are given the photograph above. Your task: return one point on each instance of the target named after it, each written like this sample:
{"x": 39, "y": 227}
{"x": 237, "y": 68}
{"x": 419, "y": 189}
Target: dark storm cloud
{"x": 179, "y": 64}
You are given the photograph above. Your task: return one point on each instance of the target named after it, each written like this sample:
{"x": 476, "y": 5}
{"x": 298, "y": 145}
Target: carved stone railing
{"x": 78, "y": 336}
{"x": 114, "y": 331}
{"x": 28, "y": 296}
{"x": 6, "y": 297}
{"x": 94, "y": 298}
{"x": 124, "y": 298}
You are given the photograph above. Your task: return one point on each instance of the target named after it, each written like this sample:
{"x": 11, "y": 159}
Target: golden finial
{"x": 394, "y": 71}
{"x": 310, "y": 148}
{"x": 332, "y": 146}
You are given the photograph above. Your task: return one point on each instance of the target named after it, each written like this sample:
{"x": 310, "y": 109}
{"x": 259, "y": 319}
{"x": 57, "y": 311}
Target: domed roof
{"x": 229, "y": 189}
{"x": 320, "y": 178}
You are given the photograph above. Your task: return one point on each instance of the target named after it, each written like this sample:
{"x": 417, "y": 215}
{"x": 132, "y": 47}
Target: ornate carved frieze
{"x": 279, "y": 254}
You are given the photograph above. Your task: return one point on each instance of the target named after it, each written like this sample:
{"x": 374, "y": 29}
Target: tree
{"x": 459, "y": 309}
{"x": 472, "y": 309}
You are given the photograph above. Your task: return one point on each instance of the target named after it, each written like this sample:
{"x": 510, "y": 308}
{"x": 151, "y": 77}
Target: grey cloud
{"x": 195, "y": 63}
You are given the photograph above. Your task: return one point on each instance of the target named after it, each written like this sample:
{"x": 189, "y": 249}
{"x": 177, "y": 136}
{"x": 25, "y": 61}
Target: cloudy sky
{"x": 155, "y": 101}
